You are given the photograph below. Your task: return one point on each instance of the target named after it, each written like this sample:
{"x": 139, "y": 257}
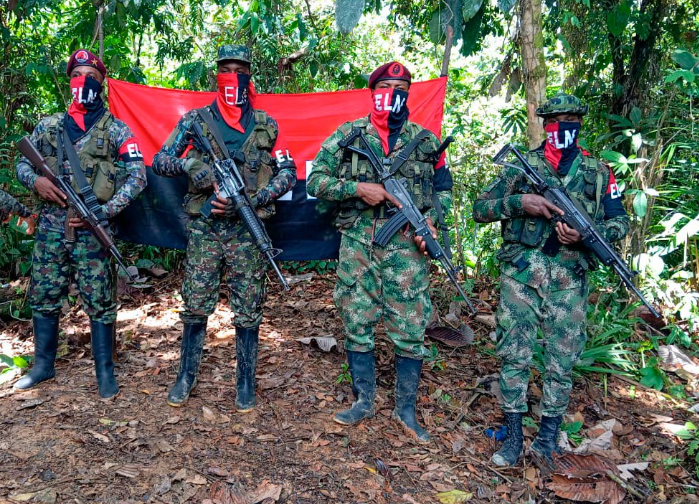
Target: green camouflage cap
{"x": 234, "y": 52}
{"x": 562, "y": 103}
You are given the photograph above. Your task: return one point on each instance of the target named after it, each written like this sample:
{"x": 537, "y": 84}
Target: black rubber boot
{"x": 45, "y": 347}
{"x": 407, "y": 380}
{"x": 511, "y": 448}
{"x": 362, "y": 368}
{"x": 246, "y": 352}
{"x": 544, "y": 446}
{"x": 104, "y": 365}
{"x": 191, "y": 348}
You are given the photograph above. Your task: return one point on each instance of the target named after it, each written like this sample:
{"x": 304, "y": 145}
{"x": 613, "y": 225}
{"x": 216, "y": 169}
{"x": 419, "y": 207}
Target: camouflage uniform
{"x": 539, "y": 291}
{"x": 375, "y": 282}
{"x": 102, "y": 147}
{"x": 219, "y": 244}
{"x": 9, "y": 206}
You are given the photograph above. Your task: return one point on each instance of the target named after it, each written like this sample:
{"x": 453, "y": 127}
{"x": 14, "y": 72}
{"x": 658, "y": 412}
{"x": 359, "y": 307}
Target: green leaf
{"x": 640, "y": 204}
{"x": 20, "y": 362}
{"x": 347, "y": 14}
{"x": 470, "y": 34}
{"x": 572, "y": 428}
{"x": 470, "y": 9}
{"x": 313, "y": 68}
{"x": 618, "y": 18}
{"x": 254, "y": 23}
{"x": 506, "y": 5}
{"x": 635, "y": 116}
{"x": 636, "y": 141}
{"x": 436, "y": 28}
{"x": 686, "y": 60}
{"x": 675, "y": 75}
{"x": 7, "y": 360}
{"x": 613, "y": 156}
{"x": 652, "y": 377}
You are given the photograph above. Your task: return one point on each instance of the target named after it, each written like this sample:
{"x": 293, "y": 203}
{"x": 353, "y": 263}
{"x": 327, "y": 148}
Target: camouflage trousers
{"x": 217, "y": 247}
{"x": 373, "y": 283}
{"x": 561, "y": 316}
{"x": 54, "y": 261}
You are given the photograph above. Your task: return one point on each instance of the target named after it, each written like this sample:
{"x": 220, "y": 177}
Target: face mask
{"x": 234, "y": 95}
{"x": 389, "y": 114}
{"x": 561, "y": 146}
{"x": 87, "y": 105}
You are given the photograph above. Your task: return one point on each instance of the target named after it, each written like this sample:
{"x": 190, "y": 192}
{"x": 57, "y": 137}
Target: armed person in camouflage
{"x": 221, "y": 243}
{"x": 375, "y": 282}
{"x": 113, "y": 165}
{"x": 539, "y": 291}
{"x": 9, "y": 206}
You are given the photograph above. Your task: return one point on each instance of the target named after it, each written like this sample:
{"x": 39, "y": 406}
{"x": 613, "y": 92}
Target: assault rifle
{"x": 98, "y": 228}
{"x": 577, "y": 218}
{"x": 408, "y": 213}
{"x": 231, "y": 185}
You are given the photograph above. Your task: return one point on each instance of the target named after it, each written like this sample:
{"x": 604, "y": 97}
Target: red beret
{"x": 389, "y": 71}
{"x": 83, "y": 57}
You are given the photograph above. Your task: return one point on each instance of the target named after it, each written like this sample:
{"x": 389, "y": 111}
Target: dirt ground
{"x": 61, "y": 443}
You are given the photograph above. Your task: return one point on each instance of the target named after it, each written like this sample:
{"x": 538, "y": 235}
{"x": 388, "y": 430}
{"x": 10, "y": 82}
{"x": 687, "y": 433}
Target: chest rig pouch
{"x": 254, "y": 159}
{"x": 94, "y": 156}
{"x": 416, "y": 169}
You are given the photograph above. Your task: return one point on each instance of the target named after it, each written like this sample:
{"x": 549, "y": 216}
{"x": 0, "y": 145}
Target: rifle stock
{"x": 97, "y": 228}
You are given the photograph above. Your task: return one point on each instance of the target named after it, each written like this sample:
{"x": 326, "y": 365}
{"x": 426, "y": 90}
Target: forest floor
{"x": 61, "y": 443}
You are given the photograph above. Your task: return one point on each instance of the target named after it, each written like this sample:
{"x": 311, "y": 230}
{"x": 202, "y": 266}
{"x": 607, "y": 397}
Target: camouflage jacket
{"x": 125, "y": 155}
{"x": 524, "y": 236}
{"x": 328, "y": 181}
{"x": 9, "y": 205}
{"x": 168, "y": 162}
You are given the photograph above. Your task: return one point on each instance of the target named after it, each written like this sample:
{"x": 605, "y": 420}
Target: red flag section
{"x": 306, "y": 120}
{"x": 303, "y": 226}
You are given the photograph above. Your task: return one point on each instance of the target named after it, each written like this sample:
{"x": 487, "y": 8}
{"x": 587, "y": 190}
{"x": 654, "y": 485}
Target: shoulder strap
{"x": 85, "y": 188}
{"x": 406, "y": 151}
{"x": 209, "y": 120}
{"x": 441, "y": 224}
{"x": 260, "y": 117}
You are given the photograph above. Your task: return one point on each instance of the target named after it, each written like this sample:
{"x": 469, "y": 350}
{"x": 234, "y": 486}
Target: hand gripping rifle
{"x": 231, "y": 185}
{"x": 577, "y": 218}
{"x": 98, "y": 228}
{"x": 408, "y": 213}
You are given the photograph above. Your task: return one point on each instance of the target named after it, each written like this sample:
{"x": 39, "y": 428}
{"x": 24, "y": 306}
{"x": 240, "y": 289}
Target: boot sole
{"x": 246, "y": 410}
{"x": 33, "y": 386}
{"x": 107, "y": 399}
{"x": 411, "y": 433}
{"x": 179, "y": 405}
{"x": 340, "y": 422}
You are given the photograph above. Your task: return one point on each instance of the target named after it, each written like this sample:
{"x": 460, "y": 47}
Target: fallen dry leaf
{"x": 266, "y": 490}
{"x": 454, "y": 497}
{"x": 584, "y": 478}
{"x": 625, "y": 469}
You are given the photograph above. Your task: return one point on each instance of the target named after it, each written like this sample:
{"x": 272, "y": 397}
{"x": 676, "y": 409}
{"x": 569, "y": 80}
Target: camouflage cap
{"x": 562, "y": 103}
{"x": 234, "y": 52}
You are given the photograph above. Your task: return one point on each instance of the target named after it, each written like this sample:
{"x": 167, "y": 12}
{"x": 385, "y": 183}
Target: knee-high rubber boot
{"x": 511, "y": 448}
{"x": 407, "y": 380}
{"x": 104, "y": 365}
{"x": 362, "y": 368}
{"x": 193, "y": 336}
{"x": 45, "y": 347}
{"x": 544, "y": 446}
{"x": 246, "y": 352}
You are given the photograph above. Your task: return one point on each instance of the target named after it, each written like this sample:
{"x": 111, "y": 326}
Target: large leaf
{"x": 451, "y": 15}
{"x": 471, "y": 8}
{"x": 618, "y": 18}
{"x": 471, "y": 33}
{"x": 506, "y": 5}
{"x": 686, "y": 60}
{"x": 613, "y": 156}
{"x": 436, "y": 28}
{"x": 652, "y": 377}
{"x": 640, "y": 204}
{"x": 347, "y": 14}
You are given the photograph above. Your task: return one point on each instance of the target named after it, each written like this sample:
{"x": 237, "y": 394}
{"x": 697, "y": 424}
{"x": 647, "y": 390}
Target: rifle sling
{"x": 209, "y": 120}
{"x": 85, "y": 188}
{"x": 406, "y": 151}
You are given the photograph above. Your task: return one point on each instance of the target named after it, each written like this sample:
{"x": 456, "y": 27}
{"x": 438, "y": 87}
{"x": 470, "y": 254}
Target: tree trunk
{"x": 531, "y": 42}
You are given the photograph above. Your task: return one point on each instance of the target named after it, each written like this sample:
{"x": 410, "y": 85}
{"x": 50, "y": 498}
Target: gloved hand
{"x": 200, "y": 173}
